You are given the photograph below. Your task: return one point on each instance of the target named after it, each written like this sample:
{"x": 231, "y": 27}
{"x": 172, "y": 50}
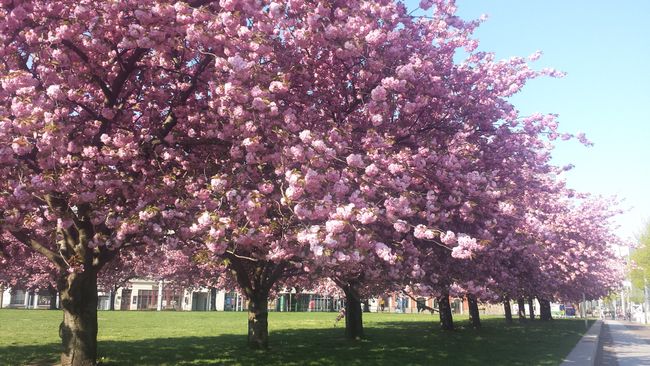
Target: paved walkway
{"x": 624, "y": 344}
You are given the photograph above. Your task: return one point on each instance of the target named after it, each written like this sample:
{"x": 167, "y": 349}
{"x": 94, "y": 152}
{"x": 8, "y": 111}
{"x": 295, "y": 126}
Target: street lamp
{"x": 646, "y": 300}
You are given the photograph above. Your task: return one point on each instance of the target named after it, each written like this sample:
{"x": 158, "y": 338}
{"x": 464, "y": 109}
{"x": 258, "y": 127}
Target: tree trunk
{"x": 53, "y": 301}
{"x": 258, "y": 321}
{"x": 446, "y": 320}
{"x": 111, "y": 305}
{"x": 53, "y": 292}
{"x": 531, "y": 310}
{"x": 521, "y": 312}
{"x": 353, "y": 314}
{"x": 366, "y": 306}
{"x": 78, "y": 331}
{"x": 545, "y": 310}
{"x": 508, "y": 310}
{"x": 474, "y": 317}
{"x": 213, "y": 298}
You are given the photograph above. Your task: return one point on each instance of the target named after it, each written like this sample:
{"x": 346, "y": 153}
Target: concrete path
{"x": 624, "y": 344}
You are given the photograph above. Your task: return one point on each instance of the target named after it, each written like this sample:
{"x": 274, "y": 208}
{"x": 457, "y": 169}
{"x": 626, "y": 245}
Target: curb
{"x": 584, "y": 353}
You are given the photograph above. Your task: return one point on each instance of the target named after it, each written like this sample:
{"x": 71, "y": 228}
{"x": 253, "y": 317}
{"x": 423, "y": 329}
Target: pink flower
{"x": 301, "y": 211}
{"x": 378, "y": 94}
{"x": 401, "y": 226}
{"x": 335, "y": 226}
{"x": 448, "y": 238}
{"x": 218, "y": 183}
{"x": 366, "y": 216}
{"x": 465, "y": 248}
{"x": 375, "y": 36}
{"x": 395, "y": 168}
{"x": 355, "y": 160}
{"x": 422, "y": 232}
{"x": 21, "y": 146}
{"x": 277, "y": 87}
{"x": 583, "y": 139}
{"x": 147, "y": 215}
{"x": 265, "y": 187}
{"x": 316, "y": 249}
{"x": 237, "y": 63}
{"x": 216, "y": 247}
{"x": 305, "y": 136}
{"x": 461, "y": 253}
{"x": 372, "y": 170}
{"x": 426, "y": 4}
{"x": 344, "y": 212}
{"x": 55, "y": 92}
{"x": 259, "y": 104}
{"x": 294, "y": 192}
{"x": 275, "y": 10}
{"x": 341, "y": 257}
{"x": 384, "y": 252}
{"x": 205, "y": 219}
{"x": 535, "y": 56}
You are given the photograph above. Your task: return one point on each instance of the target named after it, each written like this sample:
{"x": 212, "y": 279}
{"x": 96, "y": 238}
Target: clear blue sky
{"x": 604, "y": 47}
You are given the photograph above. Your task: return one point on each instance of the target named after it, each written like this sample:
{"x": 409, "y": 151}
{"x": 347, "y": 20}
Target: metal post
{"x": 623, "y": 305}
{"x": 160, "y": 288}
{"x": 646, "y": 301}
{"x": 584, "y": 310}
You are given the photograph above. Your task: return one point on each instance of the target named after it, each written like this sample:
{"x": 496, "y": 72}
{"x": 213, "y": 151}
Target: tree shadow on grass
{"x": 388, "y": 343}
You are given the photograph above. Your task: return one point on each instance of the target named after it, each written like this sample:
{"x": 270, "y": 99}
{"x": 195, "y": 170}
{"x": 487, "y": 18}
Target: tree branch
{"x": 102, "y": 85}
{"x": 23, "y": 237}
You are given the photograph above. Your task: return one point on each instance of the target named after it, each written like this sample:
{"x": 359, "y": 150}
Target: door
{"x": 125, "y": 302}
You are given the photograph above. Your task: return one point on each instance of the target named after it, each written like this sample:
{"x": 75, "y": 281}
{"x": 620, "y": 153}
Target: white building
{"x": 25, "y": 300}
{"x": 139, "y": 295}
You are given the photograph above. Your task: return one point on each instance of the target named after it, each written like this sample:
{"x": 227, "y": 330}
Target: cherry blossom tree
{"x": 335, "y": 158}
{"x": 89, "y": 95}
{"x": 272, "y": 139}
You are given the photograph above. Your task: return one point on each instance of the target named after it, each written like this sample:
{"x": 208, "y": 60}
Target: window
{"x": 17, "y": 298}
{"x": 147, "y": 299}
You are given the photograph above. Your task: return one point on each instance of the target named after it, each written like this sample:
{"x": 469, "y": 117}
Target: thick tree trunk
{"x": 531, "y": 309}
{"x": 258, "y": 321}
{"x": 474, "y": 317}
{"x": 78, "y": 331}
{"x": 545, "y": 310}
{"x": 446, "y": 320}
{"x": 353, "y": 314}
{"x": 521, "y": 309}
{"x": 508, "y": 310}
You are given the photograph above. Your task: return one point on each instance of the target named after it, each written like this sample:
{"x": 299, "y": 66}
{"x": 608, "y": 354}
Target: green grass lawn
{"x": 218, "y": 338}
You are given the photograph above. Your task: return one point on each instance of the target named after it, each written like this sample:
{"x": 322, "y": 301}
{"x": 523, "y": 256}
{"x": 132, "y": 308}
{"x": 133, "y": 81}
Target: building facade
{"x": 142, "y": 294}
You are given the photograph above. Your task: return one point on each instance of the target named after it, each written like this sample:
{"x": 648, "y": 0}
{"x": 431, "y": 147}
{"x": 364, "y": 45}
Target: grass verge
{"x": 29, "y": 337}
